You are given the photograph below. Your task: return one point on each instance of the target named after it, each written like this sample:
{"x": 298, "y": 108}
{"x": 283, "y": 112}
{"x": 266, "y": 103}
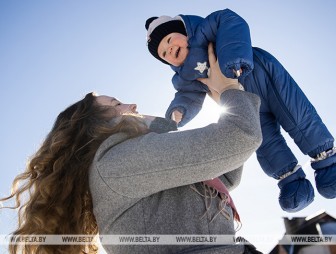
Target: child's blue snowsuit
{"x": 282, "y": 103}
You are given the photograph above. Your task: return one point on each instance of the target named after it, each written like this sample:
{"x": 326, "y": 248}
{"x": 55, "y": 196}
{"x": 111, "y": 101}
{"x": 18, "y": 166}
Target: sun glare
{"x": 209, "y": 114}
{"x": 223, "y": 109}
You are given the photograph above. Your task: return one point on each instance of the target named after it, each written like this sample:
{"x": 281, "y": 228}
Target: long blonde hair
{"x": 56, "y": 178}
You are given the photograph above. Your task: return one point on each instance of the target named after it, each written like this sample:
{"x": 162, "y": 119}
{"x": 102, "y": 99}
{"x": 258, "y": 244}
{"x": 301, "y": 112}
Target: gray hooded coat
{"x": 143, "y": 186}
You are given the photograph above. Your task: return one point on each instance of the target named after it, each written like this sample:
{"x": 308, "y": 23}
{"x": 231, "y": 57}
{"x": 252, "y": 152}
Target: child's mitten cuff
{"x": 295, "y": 174}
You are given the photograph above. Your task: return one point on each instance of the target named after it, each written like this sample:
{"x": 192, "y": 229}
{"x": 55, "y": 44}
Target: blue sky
{"x": 54, "y": 52}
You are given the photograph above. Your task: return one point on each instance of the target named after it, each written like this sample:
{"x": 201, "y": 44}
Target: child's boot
{"x": 296, "y": 192}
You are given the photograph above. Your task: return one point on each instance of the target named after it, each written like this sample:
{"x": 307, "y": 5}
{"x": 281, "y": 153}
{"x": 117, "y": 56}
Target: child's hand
{"x": 177, "y": 116}
{"x": 216, "y": 80}
{"x": 238, "y": 73}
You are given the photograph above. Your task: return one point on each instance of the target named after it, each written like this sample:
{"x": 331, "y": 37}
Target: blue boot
{"x": 325, "y": 173}
{"x": 296, "y": 192}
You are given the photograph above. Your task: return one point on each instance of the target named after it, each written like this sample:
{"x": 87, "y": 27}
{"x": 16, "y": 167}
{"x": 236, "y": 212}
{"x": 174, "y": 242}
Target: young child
{"x": 182, "y": 43}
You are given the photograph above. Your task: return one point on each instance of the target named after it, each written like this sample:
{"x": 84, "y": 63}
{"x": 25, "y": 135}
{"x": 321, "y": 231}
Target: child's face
{"x": 173, "y": 48}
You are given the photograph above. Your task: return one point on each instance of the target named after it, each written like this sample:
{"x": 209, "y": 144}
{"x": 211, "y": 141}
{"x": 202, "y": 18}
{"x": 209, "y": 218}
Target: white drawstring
{"x": 290, "y": 172}
{"x": 324, "y": 155}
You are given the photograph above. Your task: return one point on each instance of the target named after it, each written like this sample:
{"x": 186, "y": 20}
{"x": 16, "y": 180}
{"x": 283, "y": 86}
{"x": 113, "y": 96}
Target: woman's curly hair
{"x": 56, "y": 178}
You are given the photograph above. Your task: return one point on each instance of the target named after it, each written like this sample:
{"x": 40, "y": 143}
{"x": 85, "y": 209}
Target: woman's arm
{"x": 145, "y": 165}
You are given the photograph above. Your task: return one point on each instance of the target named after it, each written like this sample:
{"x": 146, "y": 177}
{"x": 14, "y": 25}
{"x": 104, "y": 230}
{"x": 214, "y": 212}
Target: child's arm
{"x": 188, "y": 99}
{"x": 231, "y": 34}
{"x": 187, "y": 103}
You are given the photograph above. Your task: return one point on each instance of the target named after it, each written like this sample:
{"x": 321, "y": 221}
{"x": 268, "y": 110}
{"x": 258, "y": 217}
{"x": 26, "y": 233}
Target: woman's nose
{"x": 133, "y": 107}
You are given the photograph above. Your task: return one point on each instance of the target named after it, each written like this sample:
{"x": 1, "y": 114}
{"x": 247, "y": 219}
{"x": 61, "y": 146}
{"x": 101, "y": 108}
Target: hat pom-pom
{"x": 149, "y": 21}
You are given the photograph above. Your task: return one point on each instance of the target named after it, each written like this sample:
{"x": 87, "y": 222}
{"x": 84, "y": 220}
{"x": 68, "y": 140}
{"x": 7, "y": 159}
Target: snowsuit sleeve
{"x": 231, "y": 34}
{"x": 188, "y": 99}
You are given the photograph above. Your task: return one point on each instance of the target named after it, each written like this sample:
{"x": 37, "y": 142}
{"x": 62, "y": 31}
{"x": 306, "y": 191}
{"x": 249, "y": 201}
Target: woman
{"x": 103, "y": 168}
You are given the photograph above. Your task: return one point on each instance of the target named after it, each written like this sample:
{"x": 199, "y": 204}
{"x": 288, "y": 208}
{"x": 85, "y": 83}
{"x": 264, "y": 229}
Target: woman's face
{"x": 119, "y": 106}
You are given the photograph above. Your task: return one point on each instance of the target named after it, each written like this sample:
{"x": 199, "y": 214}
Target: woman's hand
{"x": 214, "y": 95}
{"x": 216, "y": 80}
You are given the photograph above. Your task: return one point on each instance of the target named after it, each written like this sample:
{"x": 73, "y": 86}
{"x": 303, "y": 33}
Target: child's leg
{"x": 291, "y": 107}
{"x": 274, "y": 155}
{"x": 277, "y": 161}
{"x": 299, "y": 118}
